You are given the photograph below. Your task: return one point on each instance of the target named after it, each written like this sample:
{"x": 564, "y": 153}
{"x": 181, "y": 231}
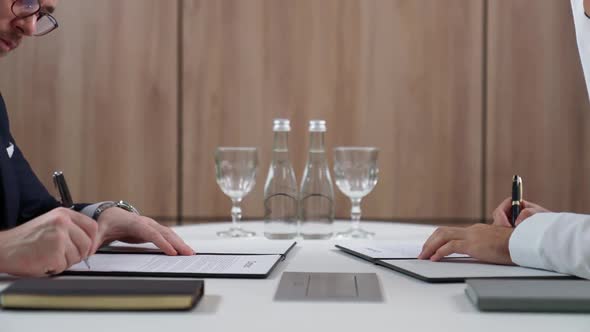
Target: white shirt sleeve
{"x": 553, "y": 241}
{"x": 582, "y": 23}
{"x": 558, "y": 241}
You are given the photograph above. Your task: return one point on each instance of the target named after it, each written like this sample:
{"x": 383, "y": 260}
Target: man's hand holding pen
{"x": 54, "y": 241}
{"x": 488, "y": 243}
{"x": 503, "y": 212}
{"x": 62, "y": 237}
{"x": 48, "y": 244}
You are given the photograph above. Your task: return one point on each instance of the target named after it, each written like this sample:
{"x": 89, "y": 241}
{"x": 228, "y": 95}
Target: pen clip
{"x": 517, "y": 189}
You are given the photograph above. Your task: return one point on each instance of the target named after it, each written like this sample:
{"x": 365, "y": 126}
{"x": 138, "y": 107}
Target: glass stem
{"x": 236, "y": 212}
{"x": 355, "y": 212}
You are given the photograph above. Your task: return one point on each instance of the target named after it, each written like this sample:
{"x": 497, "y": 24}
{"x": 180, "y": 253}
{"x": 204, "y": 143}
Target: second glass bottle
{"x": 316, "y": 198}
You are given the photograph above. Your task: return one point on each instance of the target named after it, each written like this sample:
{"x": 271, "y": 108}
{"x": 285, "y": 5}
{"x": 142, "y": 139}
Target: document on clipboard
{"x": 195, "y": 266}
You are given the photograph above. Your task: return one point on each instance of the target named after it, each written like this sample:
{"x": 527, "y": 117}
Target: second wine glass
{"x": 356, "y": 173}
{"x": 235, "y": 171}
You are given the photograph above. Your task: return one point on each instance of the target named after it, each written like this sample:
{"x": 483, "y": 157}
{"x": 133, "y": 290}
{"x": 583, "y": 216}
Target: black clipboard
{"x": 156, "y": 251}
{"x": 144, "y": 251}
{"x": 400, "y": 266}
{"x": 179, "y": 274}
{"x": 368, "y": 258}
{"x": 359, "y": 255}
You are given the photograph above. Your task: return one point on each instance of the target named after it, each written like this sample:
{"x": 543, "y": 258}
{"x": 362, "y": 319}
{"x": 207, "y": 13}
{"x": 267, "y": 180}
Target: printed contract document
{"x": 219, "y": 246}
{"x": 220, "y": 266}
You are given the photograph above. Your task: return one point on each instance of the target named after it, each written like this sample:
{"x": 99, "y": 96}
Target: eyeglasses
{"x": 27, "y": 8}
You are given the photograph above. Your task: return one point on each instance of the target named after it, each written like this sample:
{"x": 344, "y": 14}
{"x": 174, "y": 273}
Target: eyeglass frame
{"x": 39, "y": 14}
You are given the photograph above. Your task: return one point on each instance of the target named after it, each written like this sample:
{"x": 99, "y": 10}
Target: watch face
{"x": 107, "y": 205}
{"x": 128, "y": 207}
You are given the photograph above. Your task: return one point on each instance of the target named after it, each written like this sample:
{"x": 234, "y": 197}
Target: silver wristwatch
{"x": 110, "y": 204}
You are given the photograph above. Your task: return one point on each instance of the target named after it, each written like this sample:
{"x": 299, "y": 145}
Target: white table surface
{"x": 247, "y": 305}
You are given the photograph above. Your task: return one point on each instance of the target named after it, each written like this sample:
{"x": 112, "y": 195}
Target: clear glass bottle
{"x": 280, "y": 190}
{"x": 316, "y": 199}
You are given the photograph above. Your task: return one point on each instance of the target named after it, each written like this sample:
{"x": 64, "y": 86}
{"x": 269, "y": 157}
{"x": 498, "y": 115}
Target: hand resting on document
{"x": 118, "y": 224}
{"x": 487, "y": 243}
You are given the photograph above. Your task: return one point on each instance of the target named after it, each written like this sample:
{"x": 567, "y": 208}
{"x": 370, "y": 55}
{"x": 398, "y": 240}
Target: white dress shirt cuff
{"x": 525, "y": 243}
{"x": 91, "y": 209}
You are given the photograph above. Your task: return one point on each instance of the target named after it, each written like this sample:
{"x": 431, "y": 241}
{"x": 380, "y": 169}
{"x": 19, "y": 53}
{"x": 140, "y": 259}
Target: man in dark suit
{"x": 37, "y": 235}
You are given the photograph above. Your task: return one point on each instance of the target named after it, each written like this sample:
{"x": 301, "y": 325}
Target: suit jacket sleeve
{"x": 28, "y": 197}
{"x": 34, "y": 198}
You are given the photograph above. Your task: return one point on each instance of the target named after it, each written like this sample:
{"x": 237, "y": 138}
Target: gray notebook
{"x": 529, "y": 295}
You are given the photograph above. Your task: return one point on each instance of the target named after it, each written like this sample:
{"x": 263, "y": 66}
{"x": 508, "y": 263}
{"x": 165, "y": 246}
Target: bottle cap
{"x": 317, "y": 125}
{"x": 281, "y": 125}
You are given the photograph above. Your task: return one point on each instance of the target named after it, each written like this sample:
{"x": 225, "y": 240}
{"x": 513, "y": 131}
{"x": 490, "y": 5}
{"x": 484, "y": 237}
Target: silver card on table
{"x": 336, "y": 287}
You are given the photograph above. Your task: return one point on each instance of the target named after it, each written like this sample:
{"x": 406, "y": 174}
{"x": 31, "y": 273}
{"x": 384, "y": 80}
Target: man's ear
{"x": 587, "y": 8}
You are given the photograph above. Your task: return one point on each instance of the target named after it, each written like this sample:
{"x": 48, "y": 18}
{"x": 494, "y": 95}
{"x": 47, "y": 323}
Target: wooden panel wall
{"x": 403, "y": 75}
{"x": 103, "y": 99}
{"x": 538, "y": 112}
{"x": 98, "y": 98}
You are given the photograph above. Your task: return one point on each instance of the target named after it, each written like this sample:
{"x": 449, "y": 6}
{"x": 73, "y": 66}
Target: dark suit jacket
{"x": 22, "y": 196}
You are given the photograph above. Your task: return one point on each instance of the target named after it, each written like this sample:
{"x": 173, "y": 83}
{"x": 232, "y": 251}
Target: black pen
{"x": 516, "y": 199}
{"x": 66, "y": 198}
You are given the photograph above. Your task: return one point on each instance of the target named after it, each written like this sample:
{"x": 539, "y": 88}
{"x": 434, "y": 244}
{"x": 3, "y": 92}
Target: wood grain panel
{"x": 538, "y": 112}
{"x": 98, "y": 98}
{"x": 403, "y": 75}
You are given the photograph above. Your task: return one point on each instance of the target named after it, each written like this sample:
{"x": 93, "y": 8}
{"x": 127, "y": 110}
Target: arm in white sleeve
{"x": 558, "y": 241}
{"x": 582, "y": 23}
{"x": 553, "y": 241}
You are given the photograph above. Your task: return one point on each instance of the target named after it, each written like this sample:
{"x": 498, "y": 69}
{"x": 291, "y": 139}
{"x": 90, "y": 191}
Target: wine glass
{"x": 355, "y": 171}
{"x": 235, "y": 171}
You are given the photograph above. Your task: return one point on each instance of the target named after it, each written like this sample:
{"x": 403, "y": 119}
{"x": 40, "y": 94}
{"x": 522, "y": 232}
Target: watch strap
{"x": 127, "y": 207}
{"x": 102, "y": 207}
{"x": 111, "y": 204}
